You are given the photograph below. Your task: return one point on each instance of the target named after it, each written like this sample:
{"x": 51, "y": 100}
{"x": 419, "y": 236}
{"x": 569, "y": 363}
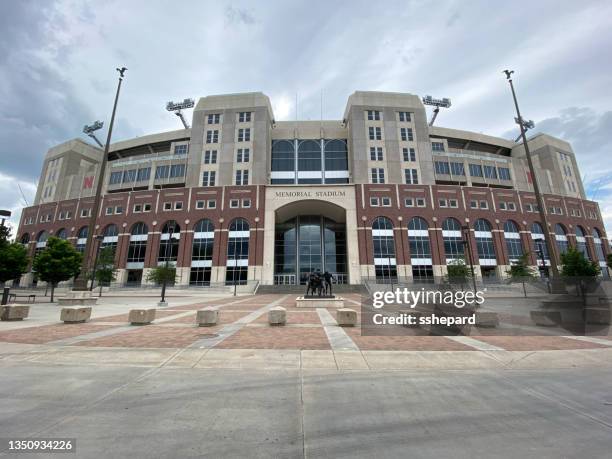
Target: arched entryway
{"x": 309, "y": 236}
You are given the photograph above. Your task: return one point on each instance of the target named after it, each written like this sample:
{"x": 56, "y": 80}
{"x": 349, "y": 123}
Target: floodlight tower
{"x": 89, "y": 130}
{"x": 526, "y": 125}
{"x": 178, "y": 107}
{"x": 444, "y": 103}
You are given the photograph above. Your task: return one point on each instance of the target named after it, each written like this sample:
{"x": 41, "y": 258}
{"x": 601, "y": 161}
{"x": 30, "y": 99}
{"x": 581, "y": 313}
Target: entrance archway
{"x": 307, "y": 230}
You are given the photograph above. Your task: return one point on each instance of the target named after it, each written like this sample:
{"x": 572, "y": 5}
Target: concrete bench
{"x": 31, "y": 298}
{"x": 15, "y": 312}
{"x": 487, "y": 319}
{"x": 277, "y": 316}
{"x": 545, "y": 318}
{"x": 77, "y": 298}
{"x": 75, "y": 315}
{"x": 346, "y": 317}
{"x": 207, "y": 317}
{"x": 142, "y": 316}
{"x": 597, "y": 316}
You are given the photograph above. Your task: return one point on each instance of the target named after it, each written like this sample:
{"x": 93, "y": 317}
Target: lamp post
{"x": 5, "y": 291}
{"x": 536, "y": 189}
{"x": 99, "y": 238}
{"x": 80, "y": 283}
{"x": 466, "y": 243}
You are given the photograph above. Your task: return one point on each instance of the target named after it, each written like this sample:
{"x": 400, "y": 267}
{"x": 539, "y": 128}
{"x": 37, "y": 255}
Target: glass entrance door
{"x": 306, "y": 244}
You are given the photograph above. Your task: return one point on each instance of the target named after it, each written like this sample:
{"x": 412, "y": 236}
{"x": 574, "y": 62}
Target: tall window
{"x": 453, "y": 240}
{"x": 476, "y": 170}
{"x": 377, "y": 175}
{"x": 513, "y": 241}
{"x": 244, "y": 135}
{"x": 409, "y": 154}
{"x": 242, "y": 177}
{"x": 61, "y": 234}
{"x": 169, "y": 242}
{"x": 237, "y": 265}
{"x": 242, "y": 155}
{"x": 385, "y": 264}
{"x": 600, "y": 253}
{"x": 406, "y": 134}
{"x": 581, "y": 242}
{"x": 376, "y": 153}
{"x": 111, "y": 236}
{"x": 41, "y": 242}
{"x": 561, "y": 238}
{"x": 210, "y": 157}
{"x": 244, "y": 117}
{"x": 375, "y": 133}
{"x": 484, "y": 242}
{"x": 373, "y": 115}
{"x": 336, "y": 161}
{"x": 208, "y": 178}
{"x": 201, "y": 252}
{"x": 411, "y": 176}
{"x": 420, "y": 249}
{"x": 309, "y": 162}
{"x": 537, "y": 235}
{"x": 82, "y": 239}
{"x": 212, "y": 136}
{"x": 137, "y": 249}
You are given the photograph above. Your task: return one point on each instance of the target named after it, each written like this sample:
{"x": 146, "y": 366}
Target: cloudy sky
{"x": 57, "y": 61}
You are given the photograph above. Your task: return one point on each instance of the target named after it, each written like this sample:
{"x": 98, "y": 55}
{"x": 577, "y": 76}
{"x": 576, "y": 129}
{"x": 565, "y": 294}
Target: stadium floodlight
{"x": 526, "y": 125}
{"x": 443, "y": 103}
{"x": 177, "y": 108}
{"x": 91, "y": 129}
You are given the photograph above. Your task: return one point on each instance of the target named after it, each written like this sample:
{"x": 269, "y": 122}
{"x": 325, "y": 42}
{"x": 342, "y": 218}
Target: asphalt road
{"x": 132, "y": 412}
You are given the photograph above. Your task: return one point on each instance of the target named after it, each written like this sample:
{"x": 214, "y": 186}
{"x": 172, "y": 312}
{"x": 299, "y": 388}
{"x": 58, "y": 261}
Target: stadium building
{"x": 378, "y": 194}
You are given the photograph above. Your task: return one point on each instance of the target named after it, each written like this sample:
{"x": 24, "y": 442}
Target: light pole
{"x": 99, "y": 238}
{"x": 536, "y": 189}
{"x": 165, "y": 279}
{"x": 466, "y": 243}
{"x": 5, "y": 291}
{"x": 80, "y": 283}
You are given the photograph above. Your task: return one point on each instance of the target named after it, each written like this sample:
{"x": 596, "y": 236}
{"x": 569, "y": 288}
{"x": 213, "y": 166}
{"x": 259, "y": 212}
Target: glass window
{"x": 384, "y": 250}
{"x": 177, "y": 170}
{"x": 561, "y": 238}
{"x": 504, "y": 173}
{"x": 115, "y": 178}
{"x": 513, "y": 241}
{"x": 162, "y": 172}
{"x": 484, "y": 240}
{"x": 442, "y": 167}
{"x": 137, "y": 247}
{"x": 409, "y": 154}
{"x": 244, "y": 117}
{"x": 476, "y": 170}
{"x": 210, "y": 157}
{"x": 411, "y": 176}
{"x": 490, "y": 172}
{"x": 453, "y": 239}
{"x": 237, "y": 252}
{"x": 143, "y": 174}
{"x": 169, "y": 242}
{"x": 309, "y": 155}
{"x": 457, "y": 168}
{"x": 437, "y": 146}
{"x": 180, "y": 149}
{"x": 377, "y": 175}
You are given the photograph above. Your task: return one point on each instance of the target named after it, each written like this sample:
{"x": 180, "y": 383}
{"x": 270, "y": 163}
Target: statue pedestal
{"x": 313, "y": 301}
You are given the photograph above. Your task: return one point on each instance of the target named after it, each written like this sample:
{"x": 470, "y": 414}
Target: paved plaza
{"x": 243, "y": 388}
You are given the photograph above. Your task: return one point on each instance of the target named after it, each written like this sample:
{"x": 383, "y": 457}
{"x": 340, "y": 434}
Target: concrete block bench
{"x": 142, "y": 316}
{"x": 207, "y": 317}
{"x": 15, "y": 312}
{"x": 487, "y": 319}
{"x": 544, "y": 318}
{"x": 75, "y": 315}
{"x": 346, "y": 317}
{"x": 277, "y": 316}
{"x": 77, "y": 298}
{"x": 597, "y": 316}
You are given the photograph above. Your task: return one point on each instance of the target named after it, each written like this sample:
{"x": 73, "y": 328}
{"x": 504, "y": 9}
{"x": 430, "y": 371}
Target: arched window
{"x": 453, "y": 240}
{"x": 336, "y": 161}
{"x": 61, "y": 234}
{"x": 484, "y": 242}
{"x": 111, "y": 236}
{"x": 201, "y": 252}
{"x": 41, "y": 242}
{"x": 420, "y": 249}
{"x": 237, "y": 265}
{"x": 169, "y": 242}
{"x": 137, "y": 248}
{"x": 82, "y": 239}
{"x": 385, "y": 264}
{"x": 561, "y": 238}
{"x": 581, "y": 242}
{"x": 513, "y": 241}
{"x": 600, "y": 253}
{"x": 25, "y": 239}
{"x": 283, "y": 162}
{"x": 541, "y": 251}
{"x": 309, "y": 162}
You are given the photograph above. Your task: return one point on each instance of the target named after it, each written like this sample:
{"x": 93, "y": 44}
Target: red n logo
{"x": 88, "y": 182}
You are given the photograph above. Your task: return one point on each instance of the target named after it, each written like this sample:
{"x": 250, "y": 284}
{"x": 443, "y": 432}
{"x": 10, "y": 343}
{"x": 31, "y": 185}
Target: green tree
{"x": 458, "y": 272}
{"x": 520, "y": 271}
{"x": 13, "y": 257}
{"x": 609, "y": 260}
{"x": 162, "y": 275}
{"x": 58, "y": 262}
{"x": 105, "y": 268}
{"x": 578, "y": 270}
